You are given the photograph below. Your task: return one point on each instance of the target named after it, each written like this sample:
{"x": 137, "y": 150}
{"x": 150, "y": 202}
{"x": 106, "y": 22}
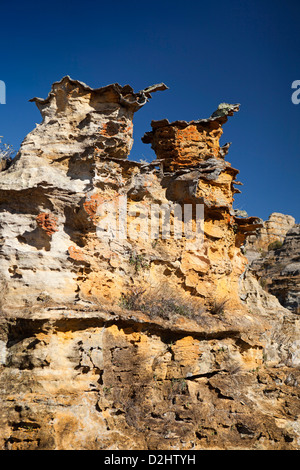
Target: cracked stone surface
{"x": 278, "y": 269}
{"x": 134, "y": 343}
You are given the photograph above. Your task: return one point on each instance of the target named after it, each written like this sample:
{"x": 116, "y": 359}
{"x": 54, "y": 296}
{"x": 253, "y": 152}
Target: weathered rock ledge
{"x": 278, "y": 268}
{"x": 139, "y": 342}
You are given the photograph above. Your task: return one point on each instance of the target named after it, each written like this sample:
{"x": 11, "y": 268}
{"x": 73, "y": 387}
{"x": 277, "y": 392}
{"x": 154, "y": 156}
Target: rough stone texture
{"x": 279, "y": 270}
{"x": 273, "y": 230}
{"x": 273, "y": 252}
{"x": 184, "y": 144}
{"x": 90, "y": 380}
{"x": 134, "y": 343}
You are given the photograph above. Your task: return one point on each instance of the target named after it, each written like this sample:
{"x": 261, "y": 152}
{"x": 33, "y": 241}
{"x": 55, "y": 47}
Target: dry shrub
{"x": 6, "y": 155}
{"x": 218, "y": 306}
{"x": 163, "y": 303}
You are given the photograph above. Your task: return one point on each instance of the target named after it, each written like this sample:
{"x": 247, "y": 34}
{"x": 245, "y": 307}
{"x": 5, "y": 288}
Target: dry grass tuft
{"x": 162, "y": 303}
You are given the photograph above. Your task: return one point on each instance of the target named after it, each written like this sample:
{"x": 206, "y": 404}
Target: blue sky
{"x": 206, "y": 52}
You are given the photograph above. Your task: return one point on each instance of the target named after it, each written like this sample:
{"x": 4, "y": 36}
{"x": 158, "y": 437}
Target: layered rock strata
{"x": 131, "y": 342}
{"x": 278, "y": 270}
{"x": 272, "y": 231}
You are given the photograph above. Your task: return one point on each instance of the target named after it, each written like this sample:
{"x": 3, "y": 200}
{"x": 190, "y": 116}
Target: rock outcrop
{"x": 278, "y": 269}
{"x": 273, "y": 255}
{"x": 271, "y": 233}
{"x": 143, "y": 339}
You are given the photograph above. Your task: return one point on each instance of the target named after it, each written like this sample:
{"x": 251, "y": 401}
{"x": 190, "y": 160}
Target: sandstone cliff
{"x": 134, "y": 342}
{"x": 274, "y": 255}
{"x": 271, "y": 234}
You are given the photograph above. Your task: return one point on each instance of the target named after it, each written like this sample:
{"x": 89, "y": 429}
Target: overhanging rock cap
{"x": 125, "y": 95}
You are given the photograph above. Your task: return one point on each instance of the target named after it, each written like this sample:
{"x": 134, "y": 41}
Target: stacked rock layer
{"x": 115, "y": 339}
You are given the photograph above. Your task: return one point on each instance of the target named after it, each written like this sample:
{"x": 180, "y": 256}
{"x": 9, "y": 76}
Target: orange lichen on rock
{"x": 98, "y": 151}
{"x": 104, "y": 129}
{"x": 47, "y": 222}
{"x": 92, "y": 204}
{"x": 75, "y": 253}
{"x": 129, "y": 128}
{"x": 184, "y": 144}
{"x": 193, "y": 139}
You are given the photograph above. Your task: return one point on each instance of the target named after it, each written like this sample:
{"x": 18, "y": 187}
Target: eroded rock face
{"x": 273, "y": 230}
{"x": 278, "y": 270}
{"x": 182, "y": 144}
{"x": 96, "y": 380}
{"x": 134, "y": 343}
{"x": 273, "y": 254}
{"x": 73, "y": 165}
{"x": 50, "y": 192}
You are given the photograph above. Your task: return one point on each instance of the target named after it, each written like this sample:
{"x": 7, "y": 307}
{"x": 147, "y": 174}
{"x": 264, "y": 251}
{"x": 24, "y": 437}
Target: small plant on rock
{"x": 139, "y": 262}
{"x": 132, "y": 299}
{"x": 218, "y": 307}
{"x": 163, "y": 304}
{"x": 6, "y": 155}
{"x": 275, "y": 245}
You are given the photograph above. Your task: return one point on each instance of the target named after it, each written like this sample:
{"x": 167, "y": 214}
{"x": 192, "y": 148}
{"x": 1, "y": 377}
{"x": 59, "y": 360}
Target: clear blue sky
{"x": 237, "y": 51}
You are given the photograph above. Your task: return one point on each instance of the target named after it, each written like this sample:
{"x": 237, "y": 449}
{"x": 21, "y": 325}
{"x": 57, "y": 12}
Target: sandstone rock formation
{"x": 133, "y": 342}
{"x": 272, "y": 230}
{"x": 278, "y": 269}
